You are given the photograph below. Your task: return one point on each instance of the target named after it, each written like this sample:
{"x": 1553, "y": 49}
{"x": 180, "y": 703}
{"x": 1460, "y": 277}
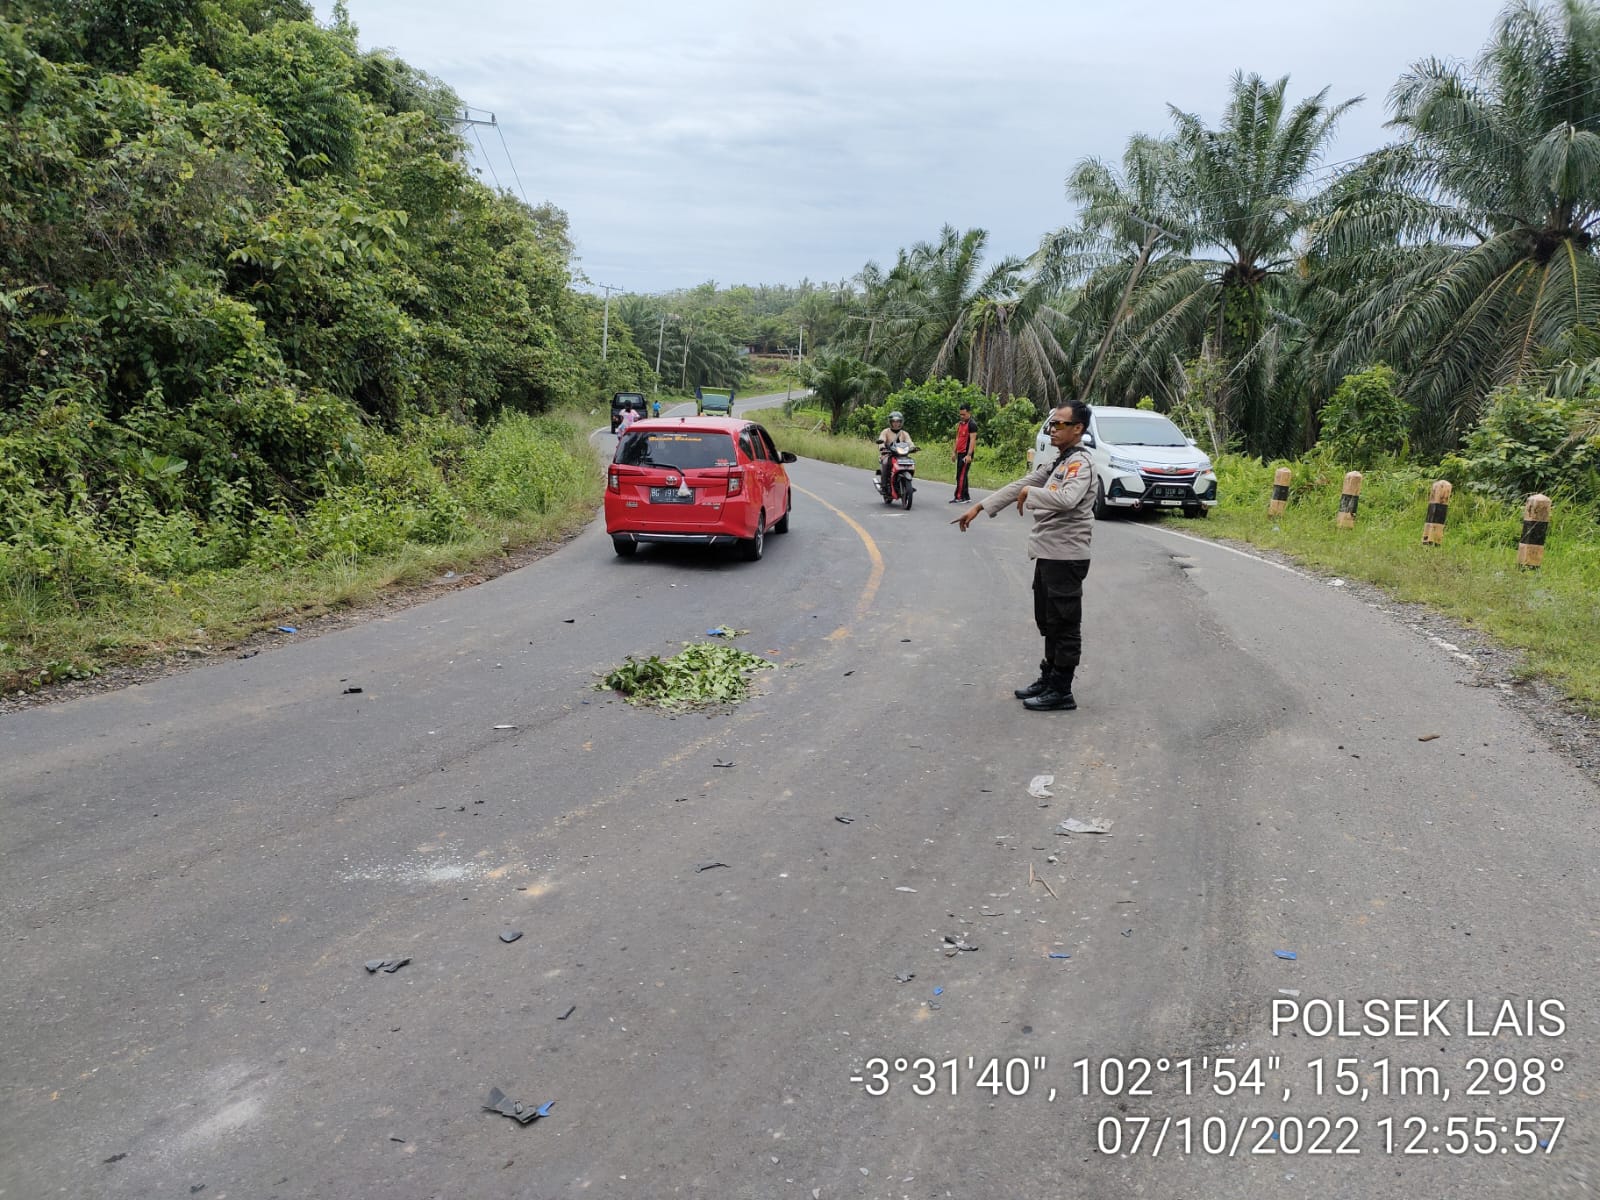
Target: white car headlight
{"x": 1124, "y": 464}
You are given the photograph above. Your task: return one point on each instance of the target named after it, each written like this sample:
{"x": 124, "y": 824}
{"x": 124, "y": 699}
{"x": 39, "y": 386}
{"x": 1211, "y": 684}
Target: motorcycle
{"x": 902, "y": 475}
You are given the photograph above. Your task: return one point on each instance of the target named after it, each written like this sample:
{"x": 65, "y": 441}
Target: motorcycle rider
{"x": 893, "y": 434}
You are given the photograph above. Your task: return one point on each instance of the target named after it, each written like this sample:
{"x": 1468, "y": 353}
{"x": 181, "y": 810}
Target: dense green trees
{"x": 231, "y": 244}
{"x": 1466, "y": 251}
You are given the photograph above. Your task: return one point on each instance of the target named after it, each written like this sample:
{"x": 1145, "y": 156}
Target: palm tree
{"x": 842, "y": 382}
{"x": 1126, "y": 218}
{"x": 939, "y": 312}
{"x": 1227, "y": 290}
{"x": 1484, "y": 218}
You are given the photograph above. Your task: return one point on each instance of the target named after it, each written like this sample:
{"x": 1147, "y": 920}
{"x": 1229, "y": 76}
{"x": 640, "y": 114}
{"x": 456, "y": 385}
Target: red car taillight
{"x": 735, "y": 483}
{"x": 611, "y": 481}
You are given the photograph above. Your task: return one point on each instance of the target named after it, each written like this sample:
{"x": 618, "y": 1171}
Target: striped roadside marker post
{"x": 1280, "y": 492}
{"x": 1438, "y": 509}
{"x": 1348, "y": 500}
{"x": 1535, "y": 525}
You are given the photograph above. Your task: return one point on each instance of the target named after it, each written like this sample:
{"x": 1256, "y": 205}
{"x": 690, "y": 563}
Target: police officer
{"x": 1061, "y": 496}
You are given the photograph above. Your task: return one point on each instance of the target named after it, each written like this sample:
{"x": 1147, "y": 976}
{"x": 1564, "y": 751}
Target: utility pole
{"x": 660, "y": 341}
{"x": 605, "y": 320}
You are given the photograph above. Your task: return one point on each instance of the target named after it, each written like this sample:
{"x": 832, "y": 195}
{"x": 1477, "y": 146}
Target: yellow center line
{"x": 876, "y": 575}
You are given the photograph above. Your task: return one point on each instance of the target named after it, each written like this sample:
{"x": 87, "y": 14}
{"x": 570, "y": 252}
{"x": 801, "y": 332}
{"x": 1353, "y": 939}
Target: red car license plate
{"x": 670, "y": 495}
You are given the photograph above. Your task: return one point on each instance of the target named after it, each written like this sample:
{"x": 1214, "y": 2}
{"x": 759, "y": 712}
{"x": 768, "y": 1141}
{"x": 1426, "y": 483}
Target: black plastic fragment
{"x": 387, "y": 965}
{"x": 510, "y": 935}
{"x": 352, "y": 691}
{"x": 844, "y": 820}
{"x": 708, "y": 866}
{"x": 250, "y": 654}
{"x": 115, "y": 1157}
{"x": 522, "y": 1114}
{"x": 568, "y": 1013}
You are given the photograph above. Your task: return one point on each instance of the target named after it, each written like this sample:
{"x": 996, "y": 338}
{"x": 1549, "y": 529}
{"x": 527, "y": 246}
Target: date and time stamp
{"x": 1503, "y": 1101}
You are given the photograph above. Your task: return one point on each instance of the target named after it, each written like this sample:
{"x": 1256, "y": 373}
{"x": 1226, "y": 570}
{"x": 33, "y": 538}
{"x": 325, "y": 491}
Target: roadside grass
{"x": 45, "y": 638}
{"x": 1551, "y": 614}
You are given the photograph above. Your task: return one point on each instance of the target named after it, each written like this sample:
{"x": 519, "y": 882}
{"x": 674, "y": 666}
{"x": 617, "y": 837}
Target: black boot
{"x": 1037, "y": 686}
{"x": 1057, "y": 694}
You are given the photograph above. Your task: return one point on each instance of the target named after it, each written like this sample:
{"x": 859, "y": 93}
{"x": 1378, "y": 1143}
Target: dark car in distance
{"x": 621, "y": 401}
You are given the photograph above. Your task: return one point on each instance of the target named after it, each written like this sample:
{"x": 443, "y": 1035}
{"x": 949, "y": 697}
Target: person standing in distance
{"x": 1061, "y": 497}
{"x": 966, "y": 443}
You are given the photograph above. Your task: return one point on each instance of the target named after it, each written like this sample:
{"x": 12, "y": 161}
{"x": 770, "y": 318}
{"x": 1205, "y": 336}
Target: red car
{"x": 704, "y": 481}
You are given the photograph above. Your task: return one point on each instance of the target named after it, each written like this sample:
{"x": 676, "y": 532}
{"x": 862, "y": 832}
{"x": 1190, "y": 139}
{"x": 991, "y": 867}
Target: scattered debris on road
{"x": 709, "y": 866}
{"x": 1072, "y": 825}
{"x": 250, "y": 654}
{"x": 725, "y": 631}
{"x": 1287, "y": 954}
{"x": 955, "y": 945}
{"x": 905, "y": 976}
{"x": 1039, "y": 786}
{"x": 568, "y": 1013}
{"x": 720, "y": 763}
{"x": 1428, "y": 737}
{"x": 510, "y": 935}
{"x": 505, "y": 727}
{"x": 288, "y": 629}
{"x": 387, "y": 965}
{"x": 352, "y": 691}
{"x": 844, "y": 820}
{"x": 519, "y": 1112}
{"x": 1054, "y": 955}
{"x": 1032, "y": 879}
{"x": 905, "y": 889}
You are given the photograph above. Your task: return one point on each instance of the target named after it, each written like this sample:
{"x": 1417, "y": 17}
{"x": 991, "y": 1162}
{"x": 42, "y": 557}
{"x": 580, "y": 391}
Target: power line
{"x": 486, "y": 161}
{"x": 466, "y": 118}
{"x": 513, "y": 165}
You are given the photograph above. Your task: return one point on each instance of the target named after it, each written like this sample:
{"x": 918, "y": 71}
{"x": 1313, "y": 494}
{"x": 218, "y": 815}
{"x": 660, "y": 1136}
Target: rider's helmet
{"x": 894, "y": 416}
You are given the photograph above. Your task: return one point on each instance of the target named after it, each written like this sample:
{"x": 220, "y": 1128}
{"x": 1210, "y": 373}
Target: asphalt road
{"x": 195, "y": 870}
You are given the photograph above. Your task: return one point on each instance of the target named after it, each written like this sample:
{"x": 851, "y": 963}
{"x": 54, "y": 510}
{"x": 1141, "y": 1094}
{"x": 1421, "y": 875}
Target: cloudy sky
{"x": 746, "y": 143}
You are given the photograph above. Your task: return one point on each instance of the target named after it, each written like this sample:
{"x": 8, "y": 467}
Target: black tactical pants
{"x": 1058, "y": 608}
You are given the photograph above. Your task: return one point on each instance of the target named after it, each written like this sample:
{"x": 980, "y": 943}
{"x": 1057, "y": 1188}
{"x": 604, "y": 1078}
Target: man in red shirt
{"x": 966, "y": 443}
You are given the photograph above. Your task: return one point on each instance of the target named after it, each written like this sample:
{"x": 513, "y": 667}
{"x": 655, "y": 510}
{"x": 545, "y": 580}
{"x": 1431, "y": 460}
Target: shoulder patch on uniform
{"x": 1072, "y": 468}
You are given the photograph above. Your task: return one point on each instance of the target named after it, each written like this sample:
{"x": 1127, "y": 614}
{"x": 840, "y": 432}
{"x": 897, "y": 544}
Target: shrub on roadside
{"x": 1526, "y": 442}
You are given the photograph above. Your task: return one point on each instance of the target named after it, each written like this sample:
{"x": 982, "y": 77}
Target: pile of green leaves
{"x": 699, "y": 675}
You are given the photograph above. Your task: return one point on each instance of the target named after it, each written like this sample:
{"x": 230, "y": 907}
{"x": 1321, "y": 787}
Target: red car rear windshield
{"x": 686, "y": 449}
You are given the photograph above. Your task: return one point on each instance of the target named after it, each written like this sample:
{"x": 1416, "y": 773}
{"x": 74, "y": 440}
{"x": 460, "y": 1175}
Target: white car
{"x": 1141, "y": 461}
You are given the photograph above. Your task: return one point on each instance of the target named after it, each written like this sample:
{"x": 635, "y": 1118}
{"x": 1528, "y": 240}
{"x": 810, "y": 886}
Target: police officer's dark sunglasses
{"x": 1052, "y": 426}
